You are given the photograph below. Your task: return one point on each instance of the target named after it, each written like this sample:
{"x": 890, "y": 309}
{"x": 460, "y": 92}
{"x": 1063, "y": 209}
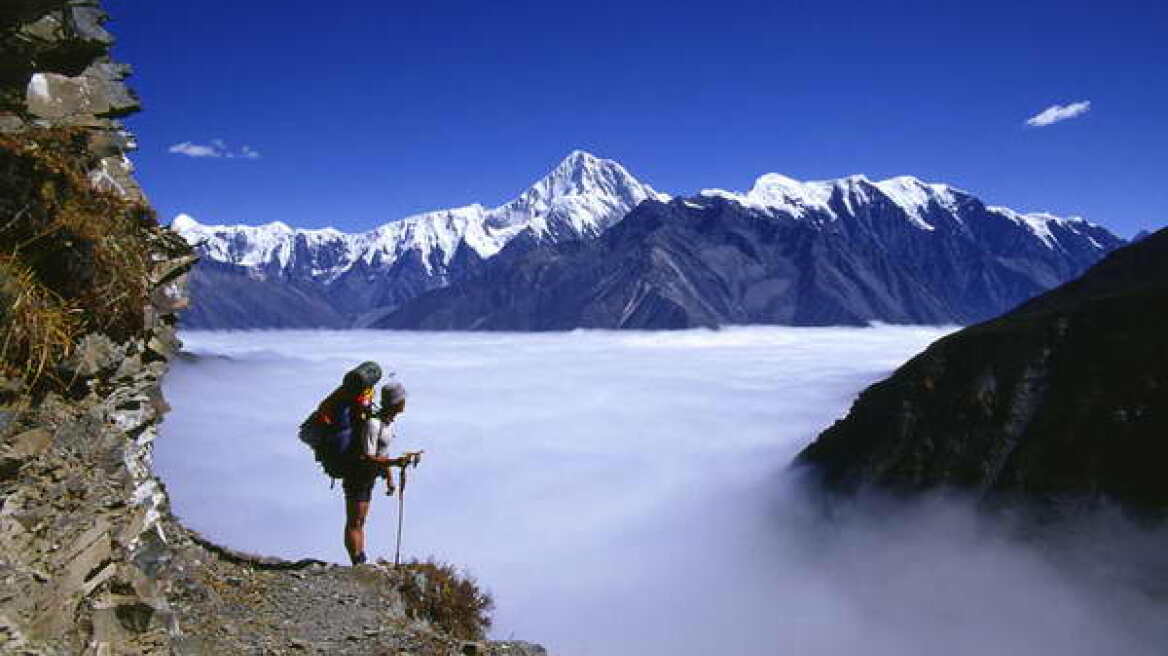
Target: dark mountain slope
{"x": 1066, "y": 396}
{"x": 228, "y": 297}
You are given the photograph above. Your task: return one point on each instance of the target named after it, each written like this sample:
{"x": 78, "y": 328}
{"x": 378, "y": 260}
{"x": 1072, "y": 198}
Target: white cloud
{"x": 218, "y": 148}
{"x": 194, "y": 150}
{"x": 1056, "y": 113}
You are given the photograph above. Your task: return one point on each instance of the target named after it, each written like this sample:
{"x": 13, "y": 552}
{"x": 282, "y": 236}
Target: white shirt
{"x": 378, "y": 436}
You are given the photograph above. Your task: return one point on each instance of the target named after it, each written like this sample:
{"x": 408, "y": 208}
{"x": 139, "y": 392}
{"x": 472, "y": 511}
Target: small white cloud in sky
{"x": 1056, "y": 113}
{"x": 193, "y": 150}
{"x": 216, "y": 149}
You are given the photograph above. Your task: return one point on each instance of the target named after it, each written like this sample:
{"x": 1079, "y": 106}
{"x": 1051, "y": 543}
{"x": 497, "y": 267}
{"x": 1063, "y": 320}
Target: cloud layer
{"x": 216, "y": 149}
{"x": 626, "y": 493}
{"x": 1056, "y": 113}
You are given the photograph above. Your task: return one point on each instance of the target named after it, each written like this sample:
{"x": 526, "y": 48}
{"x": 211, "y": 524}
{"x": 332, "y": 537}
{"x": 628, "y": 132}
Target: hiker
{"x": 351, "y": 437}
{"x": 368, "y": 460}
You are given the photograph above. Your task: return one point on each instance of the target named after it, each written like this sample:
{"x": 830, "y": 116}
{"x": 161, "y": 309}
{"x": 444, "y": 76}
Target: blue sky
{"x": 356, "y": 113}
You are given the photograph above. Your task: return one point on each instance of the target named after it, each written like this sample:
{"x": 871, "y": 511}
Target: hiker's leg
{"x": 355, "y": 513}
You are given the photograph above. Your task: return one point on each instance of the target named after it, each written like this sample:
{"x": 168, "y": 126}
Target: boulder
{"x": 96, "y": 92}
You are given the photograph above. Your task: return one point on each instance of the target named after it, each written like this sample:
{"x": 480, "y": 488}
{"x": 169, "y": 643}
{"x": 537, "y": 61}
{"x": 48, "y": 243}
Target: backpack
{"x": 328, "y": 430}
{"x": 324, "y": 440}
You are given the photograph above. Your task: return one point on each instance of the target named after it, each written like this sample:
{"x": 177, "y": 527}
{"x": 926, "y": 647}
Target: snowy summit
{"x": 581, "y": 197}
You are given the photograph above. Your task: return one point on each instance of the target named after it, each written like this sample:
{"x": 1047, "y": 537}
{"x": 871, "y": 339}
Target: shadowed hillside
{"x": 1064, "y": 398}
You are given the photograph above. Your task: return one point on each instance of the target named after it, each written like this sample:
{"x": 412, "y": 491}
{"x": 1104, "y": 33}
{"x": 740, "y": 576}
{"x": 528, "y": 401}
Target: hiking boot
{"x": 359, "y": 559}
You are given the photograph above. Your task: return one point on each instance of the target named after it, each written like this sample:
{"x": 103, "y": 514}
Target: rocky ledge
{"x": 230, "y": 603}
{"x": 81, "y": 536}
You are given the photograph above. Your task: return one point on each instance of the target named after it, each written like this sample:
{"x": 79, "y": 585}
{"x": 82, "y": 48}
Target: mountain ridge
{"x": 550, "y": 207}
{"x": 366, "y": 277}
{"x": 362, "y": 275}
{"x": 710, "y": 260}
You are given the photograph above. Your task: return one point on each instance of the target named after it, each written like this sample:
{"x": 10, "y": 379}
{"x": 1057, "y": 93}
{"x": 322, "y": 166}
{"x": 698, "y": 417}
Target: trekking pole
{"x": 410, "y": 458}
{"x": 401, "y": 511}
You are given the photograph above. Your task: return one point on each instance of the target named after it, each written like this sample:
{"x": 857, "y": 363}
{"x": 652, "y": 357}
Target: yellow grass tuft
{"x": 73, "y": 258}
{"x": 38, "y": 329}
{"x": 448, "y": 599}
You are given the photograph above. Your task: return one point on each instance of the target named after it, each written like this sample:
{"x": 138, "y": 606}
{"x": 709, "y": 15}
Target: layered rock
{"x": 80, "y": 532}
{"x": 56, "y": 71}
{"x": 1060, "y": 400}
{"x": 848, "y": 251}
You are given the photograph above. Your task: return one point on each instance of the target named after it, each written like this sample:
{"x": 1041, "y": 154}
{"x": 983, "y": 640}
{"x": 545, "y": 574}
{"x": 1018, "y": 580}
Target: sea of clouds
{"x": 628, "y": 493}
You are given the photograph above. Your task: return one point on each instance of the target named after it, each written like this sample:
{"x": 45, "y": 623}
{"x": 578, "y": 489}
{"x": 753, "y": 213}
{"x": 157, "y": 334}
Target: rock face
{"x": 846, "y": 252}
{"x": 91, "y": 560}
{"x": 56, "y": 71}
{"x": 1063, "y": 398}
{"x": 310, "y": 278}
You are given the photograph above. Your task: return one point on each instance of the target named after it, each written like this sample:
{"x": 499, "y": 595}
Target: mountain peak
{"x": 184, "y": 222}
{"x": 581, "y": 196}
{"x": 774, "y": 191}
{"x": 583, "y": 174}
{"x": 278, "y": 226}
{"x": 578, "y": 155}
{"x": 585, "y": 170}
{"x": 775, "y": 181}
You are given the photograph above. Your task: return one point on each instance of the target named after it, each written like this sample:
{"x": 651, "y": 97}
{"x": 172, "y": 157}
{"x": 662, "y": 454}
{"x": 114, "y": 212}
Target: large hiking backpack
{"x": 328, "y": 431}
{"x": 325, "y": 442}
{"x": 364, "y": 376}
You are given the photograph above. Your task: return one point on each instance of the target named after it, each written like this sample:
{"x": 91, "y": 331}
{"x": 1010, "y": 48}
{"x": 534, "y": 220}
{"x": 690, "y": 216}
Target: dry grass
{"x": 38, "y": 328}
{"x": 448, "y": 599}
{"x": 73, "y": 259}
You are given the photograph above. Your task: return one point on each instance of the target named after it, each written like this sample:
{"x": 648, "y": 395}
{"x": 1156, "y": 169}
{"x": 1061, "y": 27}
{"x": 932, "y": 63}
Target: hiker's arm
{"x": 384, "y": 461}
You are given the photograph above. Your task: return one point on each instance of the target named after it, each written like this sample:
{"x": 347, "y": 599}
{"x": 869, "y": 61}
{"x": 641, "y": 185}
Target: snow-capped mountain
{"x": 373, "y": 272}
{"x": 847, "y": 250}
{"x": 923, "y": 205}
{"x": 581, "y": 197}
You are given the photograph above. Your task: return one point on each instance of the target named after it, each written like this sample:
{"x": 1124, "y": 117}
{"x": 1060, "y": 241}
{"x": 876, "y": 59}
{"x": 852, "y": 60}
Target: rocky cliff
{"x": 1064, "y": 399}
{"x": 91, "y": 560}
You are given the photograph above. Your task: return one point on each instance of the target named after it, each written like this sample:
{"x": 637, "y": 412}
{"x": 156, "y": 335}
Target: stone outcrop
{"x": 91, "y": 560}
{"x": 55, "y": 70}
{"x": 1061, "y": 401}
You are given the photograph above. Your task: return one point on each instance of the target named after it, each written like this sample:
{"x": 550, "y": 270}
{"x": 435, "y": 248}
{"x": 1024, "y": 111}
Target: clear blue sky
{"x": 364, "y": 112}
